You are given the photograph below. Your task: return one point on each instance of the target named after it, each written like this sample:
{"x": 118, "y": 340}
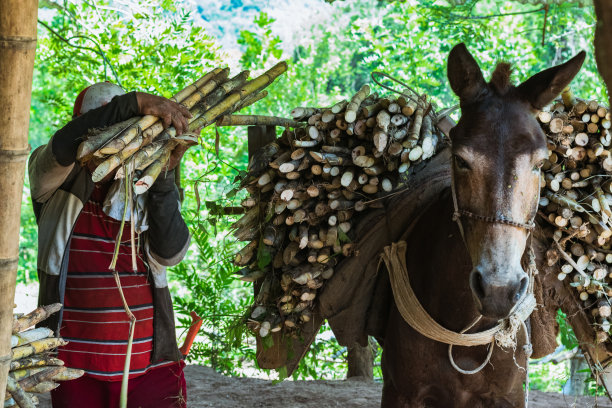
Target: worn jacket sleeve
{"x": 50, "y": 164}
{"x": 168, "y": 234}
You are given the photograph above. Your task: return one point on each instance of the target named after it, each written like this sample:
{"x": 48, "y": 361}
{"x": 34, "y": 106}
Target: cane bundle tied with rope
{"x": 310, "y": 187}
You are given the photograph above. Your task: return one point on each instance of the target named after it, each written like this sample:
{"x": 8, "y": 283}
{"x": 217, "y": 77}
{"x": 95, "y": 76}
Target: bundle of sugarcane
{"x": 143, "y": 146}
{"x": 576, "y": 200}
{"x": 309, "y": 187}
{"x": 33, "y": 369}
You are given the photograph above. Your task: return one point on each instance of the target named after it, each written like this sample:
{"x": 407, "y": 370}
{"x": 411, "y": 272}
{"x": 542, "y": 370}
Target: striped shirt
{"x": 94, "y": 321}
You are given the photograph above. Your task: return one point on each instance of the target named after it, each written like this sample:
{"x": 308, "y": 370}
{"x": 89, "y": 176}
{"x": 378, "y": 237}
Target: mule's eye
{"x": 462, "y": 164}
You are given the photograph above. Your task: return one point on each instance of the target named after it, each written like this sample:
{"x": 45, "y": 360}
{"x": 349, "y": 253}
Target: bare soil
{"x": 207, "y": 388}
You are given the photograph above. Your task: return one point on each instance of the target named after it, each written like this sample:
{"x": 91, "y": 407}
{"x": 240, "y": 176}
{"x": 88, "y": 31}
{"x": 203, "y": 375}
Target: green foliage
{"x": 566, "y": 334}
{"x": 548, "y": 377}
{"x": 254, "y": 44}
{"x": 205, "y": 282}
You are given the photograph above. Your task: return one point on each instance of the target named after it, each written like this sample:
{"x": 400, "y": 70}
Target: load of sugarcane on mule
{"x": 454, "y": 249}
{"x": 109, "y": 224}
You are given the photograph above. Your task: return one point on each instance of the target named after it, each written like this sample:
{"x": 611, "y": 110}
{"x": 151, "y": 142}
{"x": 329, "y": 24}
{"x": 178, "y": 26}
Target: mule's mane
{"x": 500, "y": 80}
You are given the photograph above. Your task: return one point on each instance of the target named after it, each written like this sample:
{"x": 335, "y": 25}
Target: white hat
{"x": 94, "y": 96}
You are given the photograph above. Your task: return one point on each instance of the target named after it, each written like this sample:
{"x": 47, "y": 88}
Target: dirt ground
{"x": 206, "y": 388}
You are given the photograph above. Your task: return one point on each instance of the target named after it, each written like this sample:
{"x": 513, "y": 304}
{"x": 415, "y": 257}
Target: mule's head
{"x": 498, "y": 149}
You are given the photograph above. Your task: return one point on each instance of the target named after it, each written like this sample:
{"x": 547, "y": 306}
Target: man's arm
{"x": 49, "y": 165}
{"x": 168, "y": 235}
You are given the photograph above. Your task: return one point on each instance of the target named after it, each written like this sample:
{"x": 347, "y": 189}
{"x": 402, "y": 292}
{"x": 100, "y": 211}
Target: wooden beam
{"x": 259, "y": 136}
{"x": 17, "y": 51}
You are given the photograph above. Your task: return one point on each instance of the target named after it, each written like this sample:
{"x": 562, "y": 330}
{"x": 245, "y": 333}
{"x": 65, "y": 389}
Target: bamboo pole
{"x": 17, "y": 52}
{"x": 255, "y": 120}
{"x": 235, "y": 97}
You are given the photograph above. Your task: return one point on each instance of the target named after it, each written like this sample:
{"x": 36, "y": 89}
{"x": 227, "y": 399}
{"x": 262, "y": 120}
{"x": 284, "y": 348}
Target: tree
{"x": 17, "y": 50}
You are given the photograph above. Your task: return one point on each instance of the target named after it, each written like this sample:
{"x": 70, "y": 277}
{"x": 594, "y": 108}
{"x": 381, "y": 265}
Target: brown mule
{"x": 497, "y": 150}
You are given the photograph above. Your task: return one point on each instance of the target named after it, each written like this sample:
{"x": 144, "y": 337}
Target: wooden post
{"x": 579, "y": 374}
{"x": 360, "y": 362}
{"x": 17, "y": 50}
{"x": 260, "y": 136}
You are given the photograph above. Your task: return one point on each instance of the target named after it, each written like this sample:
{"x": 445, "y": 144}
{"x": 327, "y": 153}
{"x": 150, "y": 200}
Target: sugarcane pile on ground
{"x": 141, "y": 145}
{"x": 33, "y": 369}
{"x": 576, "y": 200}
{"x": 308, "y": 189}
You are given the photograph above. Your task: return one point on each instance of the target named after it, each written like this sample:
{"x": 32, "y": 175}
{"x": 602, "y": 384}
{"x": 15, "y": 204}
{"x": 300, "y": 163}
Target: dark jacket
{"x": 60, "y": 187}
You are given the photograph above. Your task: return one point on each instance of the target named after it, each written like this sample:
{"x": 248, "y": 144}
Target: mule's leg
{"x": 391, "y": 398}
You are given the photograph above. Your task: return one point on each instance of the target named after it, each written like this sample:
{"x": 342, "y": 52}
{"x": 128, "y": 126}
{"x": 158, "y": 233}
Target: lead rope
{"x": 480, "y": 367}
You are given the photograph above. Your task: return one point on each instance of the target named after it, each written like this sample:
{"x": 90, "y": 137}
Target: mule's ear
{"x": 542, "y": 88}
{"x": 464, "y": 74}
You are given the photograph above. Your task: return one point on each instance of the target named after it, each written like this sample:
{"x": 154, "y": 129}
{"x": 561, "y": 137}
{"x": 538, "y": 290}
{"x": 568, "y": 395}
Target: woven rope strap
{"x": 504, "y": 333}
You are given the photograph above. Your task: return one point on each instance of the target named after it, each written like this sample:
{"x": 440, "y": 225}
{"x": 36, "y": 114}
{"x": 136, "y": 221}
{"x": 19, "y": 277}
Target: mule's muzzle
{"x": 495, "y": 297}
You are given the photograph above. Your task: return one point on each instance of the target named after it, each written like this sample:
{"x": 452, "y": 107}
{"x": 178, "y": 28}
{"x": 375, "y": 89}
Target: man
{"x": 76, "y": 240}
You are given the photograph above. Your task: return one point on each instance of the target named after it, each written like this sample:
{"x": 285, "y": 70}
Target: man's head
{"x": 94, "y": 96}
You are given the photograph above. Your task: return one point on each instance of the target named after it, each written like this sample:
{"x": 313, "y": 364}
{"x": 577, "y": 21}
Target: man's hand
{"x": 170, "y": 113}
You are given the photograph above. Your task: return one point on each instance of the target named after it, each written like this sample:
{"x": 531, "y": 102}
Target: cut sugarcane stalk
{"x": 151, "y": 173}
{"x": 97, "y": 139}
{"x": 145, "y": 156}
{"x": 34, "y": 317}
{"x": 18, "y": 394}
{"x": 353, "y": 107}
{"x": 415, "y": 130}
{"x": 22, "y": 373}
{"x": 43, "y": 387}
{"x": 224, "y": 89}
{"x": 255, "y": 120}
{"x": 68, "y": 374}
{"x": 249, "y": 88}
{"x": 204, "y": 90}
{"x": 249, "y": 100}
{"x": 29, "y": 383}
{"x": 36, "y": 347}
{"x": 35, "y": 361}
{"x": 119, "y": 143}
{"x": 191, "y": 88}
{"x": 198, "y": 111}
{"x": 19, "y": 339}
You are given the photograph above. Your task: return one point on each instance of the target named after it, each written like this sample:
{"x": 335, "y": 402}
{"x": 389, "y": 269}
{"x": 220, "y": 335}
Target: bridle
{"x": 458, "y": 213}
{"x": 529, "y": 226}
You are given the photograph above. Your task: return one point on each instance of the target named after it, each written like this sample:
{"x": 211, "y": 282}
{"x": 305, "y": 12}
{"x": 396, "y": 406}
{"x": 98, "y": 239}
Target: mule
{"x": 460, "y": 270}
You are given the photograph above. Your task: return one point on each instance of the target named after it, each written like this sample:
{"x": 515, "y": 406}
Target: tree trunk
{"x": 603, "y": 42}
{"x": 17, "y": 51}
{"x": 360, "y": 362}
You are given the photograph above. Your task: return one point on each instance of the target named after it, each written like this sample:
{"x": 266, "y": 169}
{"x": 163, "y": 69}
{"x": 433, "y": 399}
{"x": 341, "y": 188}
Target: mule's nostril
{"x": 477, "y": 284}
{"x": 521, "y": 290}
